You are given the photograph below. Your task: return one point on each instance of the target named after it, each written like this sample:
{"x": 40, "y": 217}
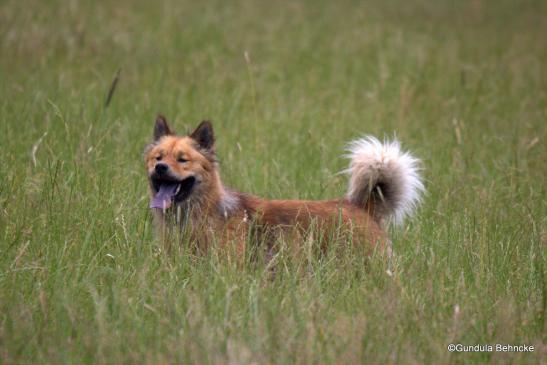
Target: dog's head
{"x": 179, "y": 167}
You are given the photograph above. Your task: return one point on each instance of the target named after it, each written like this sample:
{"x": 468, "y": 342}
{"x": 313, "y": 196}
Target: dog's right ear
{"x": 161, "y": 128}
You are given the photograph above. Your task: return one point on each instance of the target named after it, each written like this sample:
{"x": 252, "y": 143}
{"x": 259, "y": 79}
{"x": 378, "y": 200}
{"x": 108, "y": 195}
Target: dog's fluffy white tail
{"x": 383, "y": 179}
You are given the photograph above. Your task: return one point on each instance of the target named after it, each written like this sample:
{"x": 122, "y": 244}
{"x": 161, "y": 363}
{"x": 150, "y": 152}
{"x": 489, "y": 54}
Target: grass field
{"x": 462, "y": 84}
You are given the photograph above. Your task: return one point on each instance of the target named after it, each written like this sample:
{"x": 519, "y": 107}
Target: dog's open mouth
{"x": 169, "y": 191}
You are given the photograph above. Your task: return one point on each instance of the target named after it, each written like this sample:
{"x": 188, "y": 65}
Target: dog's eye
{"x": 182, "y": 160}
{"x": 158, "y": 158}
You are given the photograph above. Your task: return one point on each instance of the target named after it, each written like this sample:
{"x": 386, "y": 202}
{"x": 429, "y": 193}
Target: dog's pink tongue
{"x": 164, "y": 197}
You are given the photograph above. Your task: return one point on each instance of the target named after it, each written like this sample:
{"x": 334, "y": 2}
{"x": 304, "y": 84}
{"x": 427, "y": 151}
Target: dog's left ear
{"x": 161, "y": 128}
{"x": 204, "y": 136}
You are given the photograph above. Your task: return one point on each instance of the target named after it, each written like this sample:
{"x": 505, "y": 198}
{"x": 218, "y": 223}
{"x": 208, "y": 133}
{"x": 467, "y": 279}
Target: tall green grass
{"x": 462, "y": 84}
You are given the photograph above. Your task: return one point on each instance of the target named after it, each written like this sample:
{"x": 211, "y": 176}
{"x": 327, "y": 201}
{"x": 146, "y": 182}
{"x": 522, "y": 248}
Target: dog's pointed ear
{"x": 204, "y": 136}
{"x": 161, "y": 128}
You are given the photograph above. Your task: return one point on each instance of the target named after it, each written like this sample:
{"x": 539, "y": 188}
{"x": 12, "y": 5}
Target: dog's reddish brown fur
{"x": 213, "y": 214}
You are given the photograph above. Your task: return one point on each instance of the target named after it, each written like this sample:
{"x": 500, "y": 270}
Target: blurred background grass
{"x": 462, "y": 84}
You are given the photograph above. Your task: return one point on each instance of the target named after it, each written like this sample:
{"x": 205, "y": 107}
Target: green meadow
{"x": 287, "y": 84}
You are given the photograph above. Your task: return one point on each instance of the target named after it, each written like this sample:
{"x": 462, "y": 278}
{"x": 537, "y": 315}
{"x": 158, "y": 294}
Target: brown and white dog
{"x": 187, "y": 194}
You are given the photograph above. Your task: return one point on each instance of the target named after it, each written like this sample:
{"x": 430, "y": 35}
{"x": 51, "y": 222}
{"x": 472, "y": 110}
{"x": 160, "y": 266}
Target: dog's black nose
{"x": 161, "y": 168}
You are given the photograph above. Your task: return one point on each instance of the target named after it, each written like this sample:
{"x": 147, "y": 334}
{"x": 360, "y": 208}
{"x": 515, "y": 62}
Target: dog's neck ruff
{"x": 196, "y": 207}
{"x": 228, "y": 203}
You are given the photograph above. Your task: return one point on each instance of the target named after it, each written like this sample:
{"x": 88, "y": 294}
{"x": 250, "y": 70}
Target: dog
{"x": 187, "y": 194}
